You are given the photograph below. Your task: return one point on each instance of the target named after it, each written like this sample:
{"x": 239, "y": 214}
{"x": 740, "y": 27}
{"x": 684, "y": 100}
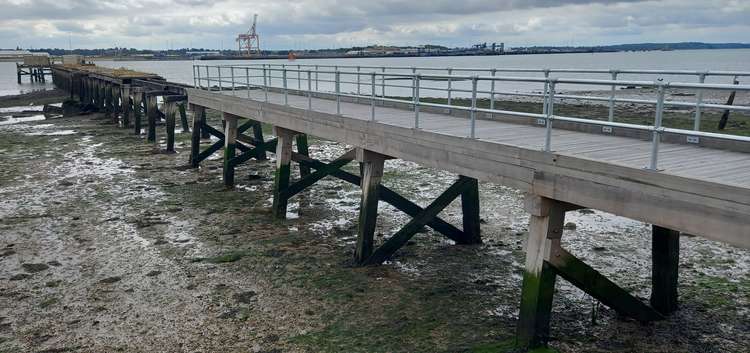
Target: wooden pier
{"x": 37, "y": 68}
{"x": 695, "y": 190}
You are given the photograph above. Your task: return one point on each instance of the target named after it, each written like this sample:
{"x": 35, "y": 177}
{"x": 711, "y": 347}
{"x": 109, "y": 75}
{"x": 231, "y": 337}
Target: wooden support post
{"x": 371, "y": 165}
{"x": 152, "y": 112}
{"x": 258, "y": 135}
{"x": 545, "y": 231}
{"x": 283, "y": 171}
{"x": 230, "y": 140}
{"x": 115, "y": 103}
{"x": 204, "y": 133}
{"x": 303, "y": 149}
{"x": 195, "y": 139}
{"x": 183, "y": 116}
{"x": 170, "y": 111}
{"x": 470, "y": 210}
{"x": 137, "y": 106}
{"x": 665, "y": 258}
{"x": 125, "y": 105}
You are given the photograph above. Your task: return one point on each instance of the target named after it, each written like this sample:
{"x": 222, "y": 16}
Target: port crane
{"x": 249, "y": 43}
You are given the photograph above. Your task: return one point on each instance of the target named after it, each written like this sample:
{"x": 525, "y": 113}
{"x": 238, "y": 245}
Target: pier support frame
{"x": 152, "y": 112}
{"x": 545, "y": 260}
{"x": 283, "y": 170}
{"x": 137, "y": 109}
{"x": 125, "y": 105}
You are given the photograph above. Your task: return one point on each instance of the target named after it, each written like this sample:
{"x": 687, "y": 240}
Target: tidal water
{"x": 699, "y": 60}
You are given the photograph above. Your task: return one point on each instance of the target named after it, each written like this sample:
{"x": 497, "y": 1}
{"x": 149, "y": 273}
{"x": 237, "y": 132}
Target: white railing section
{"x": 382, "y": 84}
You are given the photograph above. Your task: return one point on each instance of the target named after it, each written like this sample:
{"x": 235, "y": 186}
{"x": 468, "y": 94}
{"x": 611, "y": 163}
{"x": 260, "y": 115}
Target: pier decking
{"x": 649, "y": 174}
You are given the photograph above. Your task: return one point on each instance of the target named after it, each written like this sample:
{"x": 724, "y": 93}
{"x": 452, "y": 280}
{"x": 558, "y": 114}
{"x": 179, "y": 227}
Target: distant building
{"x": 19, "y": 54}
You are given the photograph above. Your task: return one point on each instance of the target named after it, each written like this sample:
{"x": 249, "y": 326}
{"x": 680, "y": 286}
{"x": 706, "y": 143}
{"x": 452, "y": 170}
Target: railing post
{"x": 338, "y": 92}
{"x": 265, "y": 83}
{"x": 195, "y": 81}
{"x": 492, "y": 91}
{"x": 382, "y": 84}
{"x": 699, "y": 102}
{"x": 247, "y": 81}
{"x": 450, "y": 85}
{"x": 299, "y": 80}
{"x": 416, "y": 100}
{"x": 549, "y": 117}
{"x": 208, "y": 79}
{"x": 372, "y": 96}
{"x": 221, "y": 87}
{"x": 316, "y": 78}
{"x": 309, "y": 90}
{"x": 358, "y": 82}
{"x": 612, "y": 97}
{"x": 546, "y": 91}
{"x": 657, "y": 128}
{"x": 473, "y": 114}
{"x": 231, "y": 70}
{"x": 414, "y": 74}
{"x": 286, "y": 97}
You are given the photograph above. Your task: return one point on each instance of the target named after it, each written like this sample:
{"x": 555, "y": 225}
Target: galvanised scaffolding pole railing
{"x": 416, "y": 87}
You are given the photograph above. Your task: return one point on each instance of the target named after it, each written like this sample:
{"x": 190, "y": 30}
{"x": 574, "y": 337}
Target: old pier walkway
{"x": 678, "y": 180}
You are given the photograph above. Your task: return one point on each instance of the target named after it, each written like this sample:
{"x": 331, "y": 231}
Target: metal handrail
{"x": 417, "y": 85}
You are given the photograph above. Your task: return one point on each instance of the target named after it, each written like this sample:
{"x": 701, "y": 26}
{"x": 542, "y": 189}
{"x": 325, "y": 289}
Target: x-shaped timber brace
{"x": 546, "y": 259}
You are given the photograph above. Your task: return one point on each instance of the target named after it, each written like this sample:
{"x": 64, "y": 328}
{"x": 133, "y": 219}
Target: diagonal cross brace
{"x": 399, "y": 239}
{"x": 391, "y": 197}
{"x": 319, "y": 173}
{"x": 256, "y": 152}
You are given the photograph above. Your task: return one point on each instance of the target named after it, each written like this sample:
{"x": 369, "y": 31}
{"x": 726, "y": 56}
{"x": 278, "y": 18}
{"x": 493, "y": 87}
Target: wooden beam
{"x": 152, "y": 112}
{"x": 183, "y": 116}
{"x": 195, "y": 138}
{"x": 303, "y": 149}
{"x": 125, "y": 105}
{"x": 399, "y": 239}
{"x": 665, "y": 259}
{"x": 545, "y": 231}
{"x": 371, "y": 165}
{"x": 281, "y": 178}
{"x": 230, "y": 135}
{"x": 599, "y": 287}
{"x": 470, "y": 213}
{"x": 137, "y": 109}
{"x": 170, "y": 111}
{"x": 321, "y": 173}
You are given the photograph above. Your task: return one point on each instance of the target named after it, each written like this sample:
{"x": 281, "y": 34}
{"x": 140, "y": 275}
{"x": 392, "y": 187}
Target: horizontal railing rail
{"x": 375, "y": 85}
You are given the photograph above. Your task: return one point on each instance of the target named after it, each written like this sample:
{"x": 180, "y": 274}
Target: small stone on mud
{"x": 245, "y": 297}
{"x": 161, "y": 242}
{"x": 153, "y": 273}
{"x": 7, "y": 253}
{"x": 228, "y": 314}
{"x": 54, "y": 263}
{"x": 53, "y": 284}
{"x": 110, "y": 280}
{"x": 33, "y": 268}
{"x": 569, "y": 226}
{"x": 599, "y": 248}
{"x": 65, "y": 183}
{"x": 20, "y": 276}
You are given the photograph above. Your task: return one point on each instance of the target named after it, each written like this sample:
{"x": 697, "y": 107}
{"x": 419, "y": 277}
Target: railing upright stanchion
{"x": 372, "y": 96}
{"x": 358, "y": 83}
{"x": 265, "y": 83}
{"x": 546, "y": 91}
{"x": 699, "y": 101}
{"x": 221, "y": 86}
{"x": 299, "y": 80}
{"x": 657, "y": 130}
{"x": 286, "y": 96}
{"x": 208, "y": 79}
{"x": 247, "y": 81}
{"x": 492, "y": 91}
{"x": 231, "y": 71}
{"x": 382, "y": 85}
{"x": 195, "y": 82}
{"x": 316, "y": 78}
{"x": 198, "y": 72}
{"x": 473, "y": 113}
{"x": 549, "y": 117}
{"x": 309, "y": 90}
{"x": 338, "y": 92}
{"x": 416, "y": 101}
{"x": 450, "y": 86}
{"x": 611, "y": 117}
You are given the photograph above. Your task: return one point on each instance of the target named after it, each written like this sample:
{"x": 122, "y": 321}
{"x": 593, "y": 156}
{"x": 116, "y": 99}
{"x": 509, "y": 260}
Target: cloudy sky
{"x": 158, "y": 24}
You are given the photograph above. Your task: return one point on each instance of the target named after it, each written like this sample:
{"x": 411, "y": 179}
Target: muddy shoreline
{"x": 109, "y": 244}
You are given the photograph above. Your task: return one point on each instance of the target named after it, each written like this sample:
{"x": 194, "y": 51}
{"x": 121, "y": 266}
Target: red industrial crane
{"x": 249, "y": 43}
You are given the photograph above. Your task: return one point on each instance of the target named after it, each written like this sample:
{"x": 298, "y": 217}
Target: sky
{"x": 315, "y": 24}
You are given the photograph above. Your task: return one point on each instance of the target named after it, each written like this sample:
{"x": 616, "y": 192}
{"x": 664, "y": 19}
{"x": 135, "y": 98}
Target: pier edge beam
{"x": 125, "y": 105}
{"x": 152, "y": 112}
{"x": 137, "y": 105}
{"x": 199, "y": 115}
{"x": 170, "y": 110}
{"x": 230, "y": 146}
{"x": 371, "y": 166}
{"x": 283, "y": 170}
{"x": 665, "y": 258}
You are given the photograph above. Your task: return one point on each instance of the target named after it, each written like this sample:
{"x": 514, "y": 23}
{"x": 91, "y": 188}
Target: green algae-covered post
{"x": 170, "y": 108}
{"x": 470, "y": 210}
{"x": 137, "y": 106}
{"x": 665, "y": 258}
{"x": 281, "y": 179}
{"x": 125, "y": 105}
{"x": 152, "y": 112}
{"x": 199, "y": 114}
